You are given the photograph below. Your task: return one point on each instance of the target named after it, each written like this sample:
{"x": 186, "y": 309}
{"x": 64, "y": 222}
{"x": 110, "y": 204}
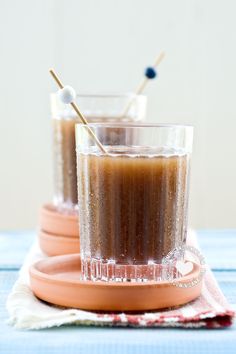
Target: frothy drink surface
{"x": 133, "y": 204}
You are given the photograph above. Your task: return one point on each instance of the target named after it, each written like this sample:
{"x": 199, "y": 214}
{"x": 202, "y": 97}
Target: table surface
{"x": 219, "y": 248}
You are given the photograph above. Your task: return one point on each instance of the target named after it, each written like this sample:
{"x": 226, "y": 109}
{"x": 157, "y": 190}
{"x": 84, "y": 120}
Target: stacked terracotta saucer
{"x": 59, "y": 232}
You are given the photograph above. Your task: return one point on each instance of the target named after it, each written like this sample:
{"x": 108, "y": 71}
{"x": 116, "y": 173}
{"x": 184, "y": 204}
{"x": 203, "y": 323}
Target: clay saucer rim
{"x": 52, "y": 211}
{"x": 70, "y": 238}
{"x": 50, "y": 278}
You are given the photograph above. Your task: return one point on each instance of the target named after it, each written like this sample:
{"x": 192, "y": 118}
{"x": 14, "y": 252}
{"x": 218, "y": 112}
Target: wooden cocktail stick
{"x": 70, "y": 95}
{"x": 149, "y": 74}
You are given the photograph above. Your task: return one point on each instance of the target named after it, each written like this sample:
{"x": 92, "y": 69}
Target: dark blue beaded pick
{"x": 150, "y": 73}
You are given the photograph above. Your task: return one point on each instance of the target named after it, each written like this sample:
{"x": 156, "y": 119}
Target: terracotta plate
{"x": 58, "y": 223}
{"x": 54, "y": 245}
{"x": 57, "y": 280}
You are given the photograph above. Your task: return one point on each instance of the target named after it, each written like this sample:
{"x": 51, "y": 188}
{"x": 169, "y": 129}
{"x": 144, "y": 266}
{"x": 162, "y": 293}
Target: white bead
{"x": 66, "y": 94}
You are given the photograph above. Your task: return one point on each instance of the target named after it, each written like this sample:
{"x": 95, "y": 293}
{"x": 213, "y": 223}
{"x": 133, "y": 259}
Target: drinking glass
{"x": 96, "y": 108}
{"x": 133, "y": 198}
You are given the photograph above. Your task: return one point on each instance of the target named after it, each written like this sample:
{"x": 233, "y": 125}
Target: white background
{"x": 104, "y": 45}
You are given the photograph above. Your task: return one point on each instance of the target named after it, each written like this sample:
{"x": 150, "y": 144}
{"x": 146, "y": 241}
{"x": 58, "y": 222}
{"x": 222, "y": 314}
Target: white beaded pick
{"x": 66, "y": 94}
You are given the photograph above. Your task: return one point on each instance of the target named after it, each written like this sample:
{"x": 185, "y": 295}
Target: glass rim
{"x": 134, "y": 125}
{"x": 105, "y": 95}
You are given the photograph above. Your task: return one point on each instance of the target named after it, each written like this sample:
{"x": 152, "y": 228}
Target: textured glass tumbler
{"x": 133, "y": 199}
{"x": 96, "y": 108}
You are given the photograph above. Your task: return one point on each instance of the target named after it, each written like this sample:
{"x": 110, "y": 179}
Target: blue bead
{"x": 150, "y": 73}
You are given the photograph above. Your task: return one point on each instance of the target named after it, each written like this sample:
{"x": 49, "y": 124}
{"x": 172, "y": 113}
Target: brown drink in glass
{"x": 133, "y": 201}
{"x": 96, "y": 108}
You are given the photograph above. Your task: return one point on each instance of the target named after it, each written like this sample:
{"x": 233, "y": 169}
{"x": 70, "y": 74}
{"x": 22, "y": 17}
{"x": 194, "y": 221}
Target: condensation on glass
{"x": 133, "y": 199}
{"x": 96, "y": 108}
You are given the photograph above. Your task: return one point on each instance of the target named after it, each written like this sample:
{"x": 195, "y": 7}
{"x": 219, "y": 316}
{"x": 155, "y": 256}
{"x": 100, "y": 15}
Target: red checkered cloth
{"x": 210, "y": 310}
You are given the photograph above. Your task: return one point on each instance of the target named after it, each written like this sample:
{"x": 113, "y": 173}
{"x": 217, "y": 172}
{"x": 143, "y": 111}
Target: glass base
{"x": 100, "y": 270}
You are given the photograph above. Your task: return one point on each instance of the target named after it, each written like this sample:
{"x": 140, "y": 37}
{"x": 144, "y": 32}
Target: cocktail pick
{"x": 150, "y": 73}
{"x": 67, "y": 95}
